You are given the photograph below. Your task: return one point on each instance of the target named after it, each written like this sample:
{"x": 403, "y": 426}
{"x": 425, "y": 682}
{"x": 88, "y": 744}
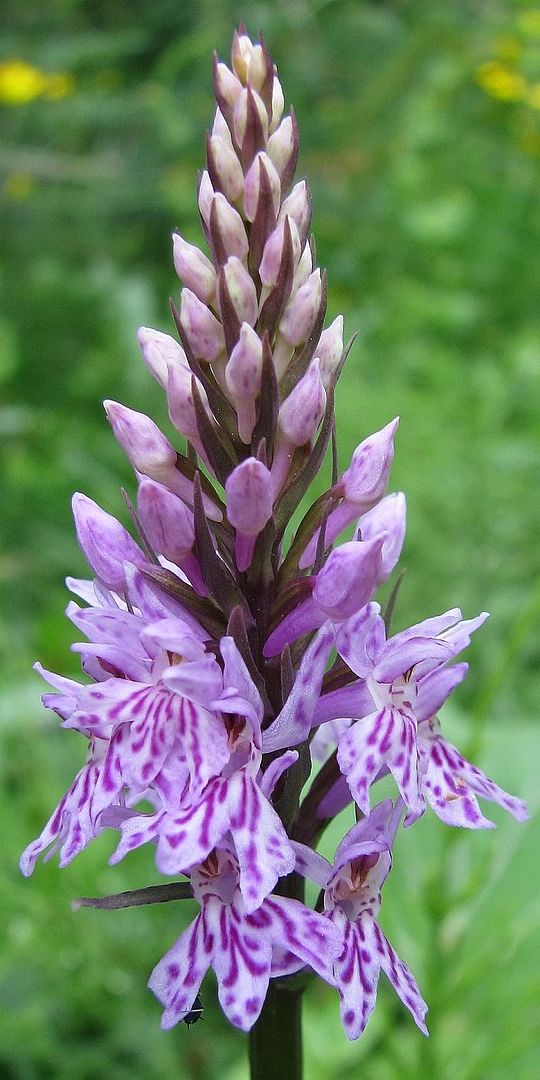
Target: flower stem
{"x": 275, "y": 1041}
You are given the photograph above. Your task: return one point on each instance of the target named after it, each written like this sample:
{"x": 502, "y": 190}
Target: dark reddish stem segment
{"x": 275, "y": 1041}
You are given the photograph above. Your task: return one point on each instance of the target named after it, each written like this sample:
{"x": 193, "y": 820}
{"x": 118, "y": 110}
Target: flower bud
{"x": 147, "y": 448}
{"x": 205, "y": 196}
{"x": 299, "y": 315}
{"x": 194, "y": 269}
{"x": 348, "y": 578}
{"x": 302, "y": 412}
{"x": 180, "y": 402}
{"x": 273, "y": 251}
{"x": 202, "y": 329}
{"x": 159, "y": 351}
{"x": 253, "y": 182}
{"x": 249, "y": 506}
{"x": 105, "y": 543}
{"x": 278, "y": 103}
{"x": 248, "y": 61}
{"x": 243, "y": 379}
{"x": 228, "y": 86}
{"x": 330, "y": 349}
{"x": 303, "y": 270}
{"x": 240, "y": 117}
{"x": 229, "y": 227}
{"x": 220, "y": 127}
{"x": 225, "y": 168}
{"x": 298, "y": 206}
{"x": 241, "y": 290}
{"x": 388, "y": 520}
{"x": 364, "y": 482}
{"x": 167, "y": 522}
{"x": 298, "y": 419}
{"x": 282, "y": 144}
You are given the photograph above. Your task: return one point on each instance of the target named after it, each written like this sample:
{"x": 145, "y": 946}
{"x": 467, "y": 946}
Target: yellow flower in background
{"x": 532, "y": 96}
{"x": 500, "y": 81}
{"x": 17, "y": 186}
{"x": 21, "y": 82}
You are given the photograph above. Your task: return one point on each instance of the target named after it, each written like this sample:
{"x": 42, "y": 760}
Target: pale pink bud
{"x": 249, "y": 506}
{"x": 159, "y": 351}
{"x": 205, "y": 197}
{"x": 298, "y": 206}
{"x": 227, "y": 167}
{"x": 194, "y": 269}
{"x": 241, "y": 115}
{"x": 147, "y": 448}
{"x": 348, "y": 578}
{"x": 180, "y": 401}
{"x": 278, "y": 103}
{"x": 364, "y": 482}
{"x": 242, "y": 290}
{"x": 243, "y": 378}
{"x": 330, "y": 349}
{"x": 282, "y": 144}
{"x": 387, "y": 519}
{"x": 230, "y": 227}
{"x": 105, "y": 543}
{"x": 303, "y": 270}
{"x": 167, "y": 522}
{"x": 220, "y": 127}
{"x": 202, "y": 329}
{"x": 253, "y": 182}
{"x": 301, "y": 413}
{"x": 248, "y": 61}
{"x": 300, "y": 313}
{"x": 227, "y": 84}
{"x": 273, "y": 250}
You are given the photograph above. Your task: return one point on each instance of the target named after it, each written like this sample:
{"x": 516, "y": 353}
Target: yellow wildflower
{"x": 20, "y": 82}
{"x": 500, "y": 81}
{"x": 532, "y": 96}
{"x": 17, "y": 186}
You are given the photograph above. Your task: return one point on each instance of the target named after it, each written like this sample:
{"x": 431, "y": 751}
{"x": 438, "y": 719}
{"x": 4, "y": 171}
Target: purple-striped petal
{"x": 385, "y": 737}
{"x": 400, "y": 976}
{"x": 262, "y": 846}
{"x": 70, "y": 828}
{"x": 176, "y": 979}
{"x": 293, "y": 724}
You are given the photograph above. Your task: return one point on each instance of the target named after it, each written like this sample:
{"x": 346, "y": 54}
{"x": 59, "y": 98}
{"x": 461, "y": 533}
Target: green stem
{"x": 275, "y": 1041}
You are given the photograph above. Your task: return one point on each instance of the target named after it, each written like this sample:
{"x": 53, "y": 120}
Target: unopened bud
{"x": 249, "y": 506}
{"x": 278, "y": 103}
{"x": 303, "y": 270}
{"x": 388, "y": 520}
{"x": 298, "y": 206}
{"x": 248, "y": 61}
{"x": 301, "y": 413}
{"x": 348, "y": 578}
{"x": 227, "y": 85}
{"x": 147, "y": 448}
{"x": 229, "y": 227}
{"x": 240, "y": 117}
{"x": 273, "y": 251}
{"x": 220, "y": 127}
{"x": 253, "y": 183}
{"x": 105, "y": 543}
{"x": 202, "y": 329}
{"x": 330, "y": 349}
{"x": 194, "y": 269}
{"x": 241, "y": 290}
{"x": 243, "y": 379}
{"x": 159, "y": 351}
{"x": 225, "y": 168}
{"x": 167, "y": 522}
{"x": 299, "y": 315}
{"x": 282, "y": 144}
{"x": 204, "y": 198}
{"x": 364, "y": 482}
{"x": 180, "y": 402}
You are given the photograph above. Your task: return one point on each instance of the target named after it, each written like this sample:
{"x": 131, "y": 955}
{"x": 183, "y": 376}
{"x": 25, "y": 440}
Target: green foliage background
{"x": 425, "y": 181}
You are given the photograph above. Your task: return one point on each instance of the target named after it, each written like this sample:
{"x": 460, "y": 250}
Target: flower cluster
{"x": 223, "y": 662}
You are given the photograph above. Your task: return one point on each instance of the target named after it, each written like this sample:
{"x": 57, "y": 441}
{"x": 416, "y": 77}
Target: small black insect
{"x": 195, "y": 1013}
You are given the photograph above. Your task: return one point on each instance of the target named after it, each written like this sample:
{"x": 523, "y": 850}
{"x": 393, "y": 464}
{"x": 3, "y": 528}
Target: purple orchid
{"x": 352, "y": 899}
{"x": 230, "y": 646}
